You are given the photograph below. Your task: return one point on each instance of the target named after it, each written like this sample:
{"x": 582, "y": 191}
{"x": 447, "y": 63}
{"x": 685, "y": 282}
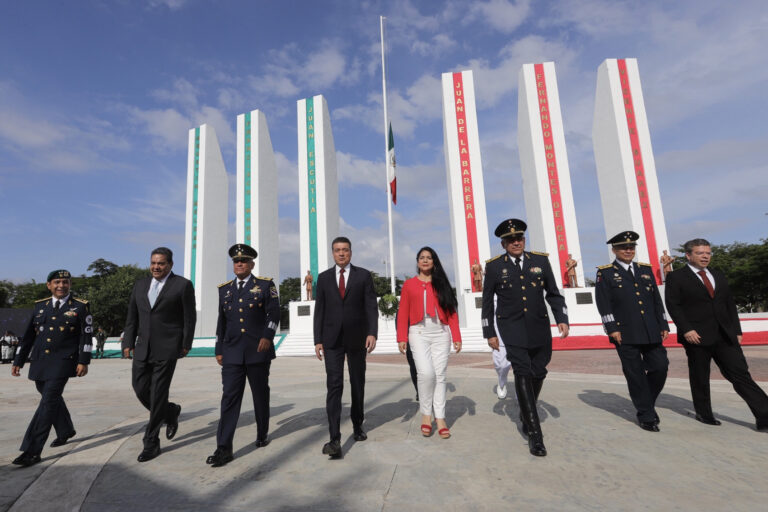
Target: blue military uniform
{"x": 245, "y": 316}
{"x": 520, "y": 286}
{"x": 56, "y": 341}
{"x": 520, "y": 311}
{"x": 630, "y": 303}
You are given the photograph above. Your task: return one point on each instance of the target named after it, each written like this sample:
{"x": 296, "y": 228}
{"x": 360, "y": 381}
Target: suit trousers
{"x": 430, "y": 343}
{"x": 645, "y": 368}
{"x": 730, "y": 359}
{"x": 529, "y": 362}
{"x": 334, "y": 381}
{"x": 233, "y": 378}
{"x": 151, "y": 383}
{"x": 51, "y": 412}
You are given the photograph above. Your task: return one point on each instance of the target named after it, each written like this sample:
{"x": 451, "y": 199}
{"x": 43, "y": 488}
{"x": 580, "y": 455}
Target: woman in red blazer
{"x": 427, "y": 320}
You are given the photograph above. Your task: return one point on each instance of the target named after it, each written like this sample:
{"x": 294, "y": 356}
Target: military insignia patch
{"x": 273, "y": 292}
{"x": 71, "y": 313}
{"x": 256, "y": 289}
{"x": 89, "y": 319}
{"x": 536, "y": 270}
{"x": 645, "y": 276}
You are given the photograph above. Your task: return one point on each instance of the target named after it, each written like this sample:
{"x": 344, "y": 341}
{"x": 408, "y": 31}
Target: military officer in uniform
{"x": 520, "y": 281}
{"x": 249, "y": 312}
{"x": 633, "y": 317}
{"x": 58, "y": 344}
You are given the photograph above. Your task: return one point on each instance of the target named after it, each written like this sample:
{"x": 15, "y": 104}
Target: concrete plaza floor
{"x": 599, "y": 459}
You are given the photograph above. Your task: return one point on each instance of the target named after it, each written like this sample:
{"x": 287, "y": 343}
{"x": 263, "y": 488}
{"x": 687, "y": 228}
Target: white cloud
{"x": 502, "y": 15}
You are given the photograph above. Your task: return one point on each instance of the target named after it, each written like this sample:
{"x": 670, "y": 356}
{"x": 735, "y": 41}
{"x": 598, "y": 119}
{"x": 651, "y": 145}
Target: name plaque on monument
{"x": 583, "y": 298}
{"x": 478, "y": 303}
{"x": 303, "y": 310}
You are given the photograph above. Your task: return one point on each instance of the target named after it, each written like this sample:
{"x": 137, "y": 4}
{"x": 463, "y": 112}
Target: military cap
{"x": 624, "y": 238}
{"x": 58, "y": 274}
{"x": 510, "y": 227}
{"x": 242, "y": 252}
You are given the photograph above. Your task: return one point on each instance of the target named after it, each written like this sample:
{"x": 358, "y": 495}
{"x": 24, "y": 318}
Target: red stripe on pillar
{"x": 552, "y": 176}
{"x": 467, "y": 189}
{"x": 639, "y": 169}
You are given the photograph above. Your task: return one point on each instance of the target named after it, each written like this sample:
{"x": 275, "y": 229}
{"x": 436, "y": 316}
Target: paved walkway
{"x": 598, "y": 458}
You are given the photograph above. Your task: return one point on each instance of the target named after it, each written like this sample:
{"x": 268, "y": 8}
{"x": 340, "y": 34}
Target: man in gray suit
{"x": 158, "y": 330}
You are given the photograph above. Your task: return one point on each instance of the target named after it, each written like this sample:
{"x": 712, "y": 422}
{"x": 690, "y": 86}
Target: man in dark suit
{"x": 58, "y": 343}
{"x": 520, "y": 280}
{"x": 346, "y": 323}
{"x": 702, "y": 307}
{"x": 159, "y": 329}
{"x": 633, "y": 317}
{"x": 249, "y": 312}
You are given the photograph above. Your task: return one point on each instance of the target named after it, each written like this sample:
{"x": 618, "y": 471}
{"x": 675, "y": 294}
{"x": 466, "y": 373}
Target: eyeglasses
{"x": 626, "y": 247}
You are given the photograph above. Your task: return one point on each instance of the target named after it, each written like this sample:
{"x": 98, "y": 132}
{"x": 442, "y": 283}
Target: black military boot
{"x": 537, "y": 385}
{"x": 530, "y": 417}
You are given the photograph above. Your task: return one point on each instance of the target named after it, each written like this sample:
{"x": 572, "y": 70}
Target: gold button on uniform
{"x": 47, "y": 351}
{"x": 242, "y": 330}
{"x": 639, "y": 302}
{"x": 523, "y": 287}
{"x": 48, "y": 340}
{"x": 242, "y": 320}
{"x": 525, "y": 298}
{"x": 241, "y": 309}
{"x": 241, "y": 300}
{"x": 525, "y": 309}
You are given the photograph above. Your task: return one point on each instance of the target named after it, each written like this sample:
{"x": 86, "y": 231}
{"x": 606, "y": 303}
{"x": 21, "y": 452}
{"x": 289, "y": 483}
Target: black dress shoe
{"x": 261, "y": 443}
{"x": 219, "y": 458}
{"x": 650, "y": 426}
{"x": 707, "y": 421}
{"x": 333, "y": 449}
{"x": 172, "y": 426}
{"x": 26, "y": 459}
{"x": 61, "y": 441}
{"x": 360, "y": 436}
{"x": 762, "y": 426}
{"x": 148, "y": 454}
{"x": 536, "y": 446}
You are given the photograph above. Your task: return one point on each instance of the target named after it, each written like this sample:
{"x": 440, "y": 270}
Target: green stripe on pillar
{"x": 312, "y": 188}
{"x": 195, "y": 187}
{"x": 247, "y": 181}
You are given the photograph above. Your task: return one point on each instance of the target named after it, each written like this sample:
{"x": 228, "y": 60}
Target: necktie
{"x": 57, "y": 305}
{"x": 240, "y": 285}
{"x": 517, "y": 263}
{"x": 153, "y": 293}
{"x": 630, "y": 271}
{"x": 703, "y": 274}
{"x": 342, "y": 286}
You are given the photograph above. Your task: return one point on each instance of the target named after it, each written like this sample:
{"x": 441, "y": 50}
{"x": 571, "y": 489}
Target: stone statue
{"x": 308, "y": 285}
{"x": 477, "y": 277}
{"x": 666, "y": 265}
{"x": 570, "y": 268}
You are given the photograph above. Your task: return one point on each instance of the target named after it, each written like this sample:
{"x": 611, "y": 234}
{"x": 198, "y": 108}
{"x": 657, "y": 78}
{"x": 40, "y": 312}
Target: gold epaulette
{"x": 603, "y": 267}
{"x": 264, "y": 278}
{"x": 644, "y": 264}
{"x": 82, "y": 301}
{"x": 494, "y": 258}
{"x": 225, "y": 284}
{"x": 41, "y": 300}
{"x": 540, "y": 253}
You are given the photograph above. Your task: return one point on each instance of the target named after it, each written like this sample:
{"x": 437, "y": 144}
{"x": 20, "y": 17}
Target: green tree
{"x": 290, "y": 290}
{"x": 108, "y": 297}
{"x": 381, "y": 285}
{"x": 102, "y": 267}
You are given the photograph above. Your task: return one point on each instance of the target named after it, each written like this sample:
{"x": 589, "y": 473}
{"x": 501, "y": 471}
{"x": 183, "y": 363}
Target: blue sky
{"x": 96, "y": 98}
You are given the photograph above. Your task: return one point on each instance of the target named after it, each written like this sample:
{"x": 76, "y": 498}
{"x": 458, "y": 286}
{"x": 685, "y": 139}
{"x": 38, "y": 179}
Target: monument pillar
{"x": 256, "y": 214}
{"x": 466, "y": 192}
{"x": 549, "y": 207}
{"x": 626, "y": 170}
{"x": 318, "y": 198}
{"x": 205, "y": 245}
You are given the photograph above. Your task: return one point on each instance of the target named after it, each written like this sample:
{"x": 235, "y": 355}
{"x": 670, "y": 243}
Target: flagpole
{"x": 386, "y": 159}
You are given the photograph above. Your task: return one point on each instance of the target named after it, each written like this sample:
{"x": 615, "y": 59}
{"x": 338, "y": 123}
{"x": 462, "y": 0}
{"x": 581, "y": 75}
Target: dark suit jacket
{"x": 691, "y": 307}
{"x": 345, "y": 322}
{"x": 520, "y": 312}
{"x": 56, "y": 341}
{"x": 165, "y": 329}
{"x": 244, "y": 318}
{"x": 630, "y": 305}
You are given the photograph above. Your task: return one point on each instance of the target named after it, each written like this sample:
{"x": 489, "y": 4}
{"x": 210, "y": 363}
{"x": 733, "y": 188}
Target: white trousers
{"x": 430, "y": 343}
{"x": 501, "y": 364}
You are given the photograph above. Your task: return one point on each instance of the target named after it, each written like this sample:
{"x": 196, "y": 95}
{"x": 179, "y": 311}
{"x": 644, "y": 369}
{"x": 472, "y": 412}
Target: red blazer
{"x": 411, "y": 310}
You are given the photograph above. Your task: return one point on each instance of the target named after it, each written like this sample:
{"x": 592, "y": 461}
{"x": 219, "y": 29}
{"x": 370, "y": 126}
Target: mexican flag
{"x": 391, "y": 166}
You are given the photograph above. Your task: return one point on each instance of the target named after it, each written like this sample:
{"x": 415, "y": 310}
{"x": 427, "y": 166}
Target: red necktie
{"x": 703, "y": 274}
{"x": 342, "y": 287}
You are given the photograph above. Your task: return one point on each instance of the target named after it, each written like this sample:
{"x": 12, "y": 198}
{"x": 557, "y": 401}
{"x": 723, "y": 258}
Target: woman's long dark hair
{"x": 440, "y": 283}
